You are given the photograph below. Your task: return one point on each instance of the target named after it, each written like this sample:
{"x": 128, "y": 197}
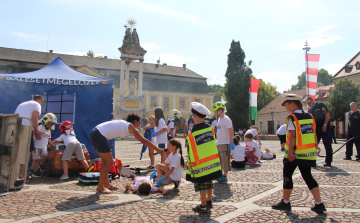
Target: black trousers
{"x": 327, "y": 140}
{"x": 289, "y": 168}
{"x": 349, "y": 146}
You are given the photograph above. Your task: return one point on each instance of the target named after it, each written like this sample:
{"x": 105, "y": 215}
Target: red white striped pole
{"x": 312, "y": 67}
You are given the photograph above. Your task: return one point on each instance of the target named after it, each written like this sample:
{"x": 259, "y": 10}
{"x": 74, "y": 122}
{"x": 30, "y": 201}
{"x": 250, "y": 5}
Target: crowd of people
{"x": 212, "y": 147}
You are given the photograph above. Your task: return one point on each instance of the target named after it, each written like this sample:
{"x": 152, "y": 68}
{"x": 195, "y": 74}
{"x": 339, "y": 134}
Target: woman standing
{"x": 300, "y": 151}
{"x": 99, "y": 137}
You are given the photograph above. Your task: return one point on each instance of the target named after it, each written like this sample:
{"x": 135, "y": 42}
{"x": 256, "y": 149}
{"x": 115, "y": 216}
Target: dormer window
{"x": 320, "y": 94}
{"x": 357, "y": 65}
{"x": 348, "y": 68}
{"x": 330, "y": 91}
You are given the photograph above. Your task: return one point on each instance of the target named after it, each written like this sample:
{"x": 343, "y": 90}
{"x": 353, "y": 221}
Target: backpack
{"x": 114, "y": 170}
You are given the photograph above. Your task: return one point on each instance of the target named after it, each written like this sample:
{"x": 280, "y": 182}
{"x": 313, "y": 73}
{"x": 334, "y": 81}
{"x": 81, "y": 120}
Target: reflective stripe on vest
{"x": 203, "y": 157}
{"x": 305, "y": 147}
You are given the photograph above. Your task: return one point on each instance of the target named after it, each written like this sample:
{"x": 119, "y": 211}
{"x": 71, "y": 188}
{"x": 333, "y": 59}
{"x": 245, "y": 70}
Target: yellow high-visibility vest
{"x": 203, "y": 157}
{"x": 305, "y": 128}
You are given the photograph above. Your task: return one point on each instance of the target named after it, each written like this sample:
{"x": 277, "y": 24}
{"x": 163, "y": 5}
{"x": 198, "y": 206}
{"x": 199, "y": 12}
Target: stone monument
{"x": 130, "y": 99}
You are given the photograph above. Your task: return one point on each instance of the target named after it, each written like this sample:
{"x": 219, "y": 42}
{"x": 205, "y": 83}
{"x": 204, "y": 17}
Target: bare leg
{"x": 316, "y": 193}
{"x": 22, "y": 172}
{"x": 209, "y": 194}
{"x": 287, "y": 193}
{"x": 43, "y": 159}
{"x": 225, "y": 173}
{"x": 160, "y": 168}
{"x": 85, "y": 164}
{"x": 65, "y": 166}
{"x": 203, "y": 198}
{"x": 151, "y": 155}
{"x": 163, "y": 157}
{"x": 35, "y": 165}
{"x": 107, "y": 161}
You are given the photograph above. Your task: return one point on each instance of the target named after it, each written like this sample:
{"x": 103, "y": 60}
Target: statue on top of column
{"x": 127, "y": 36}
{"x": 135, "y": 37}
{"x": 131, "y": 39}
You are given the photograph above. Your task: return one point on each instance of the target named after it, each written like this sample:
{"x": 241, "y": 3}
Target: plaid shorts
{"x": 203, "y": 186}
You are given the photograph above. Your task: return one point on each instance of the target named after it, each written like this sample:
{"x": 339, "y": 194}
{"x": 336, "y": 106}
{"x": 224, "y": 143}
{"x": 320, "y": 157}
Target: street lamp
{"x": 272, "y": 110}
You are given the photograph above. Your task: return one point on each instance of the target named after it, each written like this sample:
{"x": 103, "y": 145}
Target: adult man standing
{"x": 31, "y": 110}
{"x": 353, "y": 131}
{"x": 321, "y": 115}
{"x": 333, "y": 135}
{"x": 144, "y": 122}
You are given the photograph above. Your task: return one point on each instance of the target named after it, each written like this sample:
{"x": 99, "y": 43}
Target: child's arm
{"x": 162, "y": 190}
{"x": 50, "y": 142}
{"x": 128, "y": 186}
{"x": 56, "y": 142}
{"x": 253, "y": 150}
{"x": 44, "y": 133}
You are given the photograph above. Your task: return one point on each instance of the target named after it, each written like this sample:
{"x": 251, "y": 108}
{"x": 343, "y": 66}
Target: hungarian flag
{"x": 312, "y": 67}
{"x": 254, "y": 88}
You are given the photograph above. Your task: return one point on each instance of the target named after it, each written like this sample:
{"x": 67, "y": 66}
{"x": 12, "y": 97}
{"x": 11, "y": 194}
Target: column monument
{"x": 130, "y": 99}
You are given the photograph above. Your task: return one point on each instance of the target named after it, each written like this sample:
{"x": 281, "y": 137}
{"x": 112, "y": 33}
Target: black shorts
{"x": 162, "y": 146}
{"x": 99, "y": 142}
{"x": 282, "y": 138}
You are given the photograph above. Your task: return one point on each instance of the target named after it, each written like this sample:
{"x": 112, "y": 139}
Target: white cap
{"x": 290, "y": 97}
{"x": 200, "y": 108}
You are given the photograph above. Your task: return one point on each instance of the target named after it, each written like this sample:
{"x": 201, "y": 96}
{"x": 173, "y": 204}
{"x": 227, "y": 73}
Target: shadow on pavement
{"x": 73, "y": 202}
{"x": 222, "y": 192}
{"x": 200, "y": 217}
{"x": 331, "y": 169}
{"x": 321, "y": 217}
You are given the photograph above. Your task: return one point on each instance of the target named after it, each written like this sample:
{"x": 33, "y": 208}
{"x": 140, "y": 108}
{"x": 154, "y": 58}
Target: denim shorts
{"x": 162, "y": 146}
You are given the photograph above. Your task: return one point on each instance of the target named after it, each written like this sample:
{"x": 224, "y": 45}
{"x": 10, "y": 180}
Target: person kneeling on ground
{"x": 72, "y": 146}
{"x": 238, "y": 154}
{"x": 253, "y": 150}
{"x": 144, "y": 185}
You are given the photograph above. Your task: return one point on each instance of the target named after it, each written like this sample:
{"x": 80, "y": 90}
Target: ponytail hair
{"x": 176, "y": 142}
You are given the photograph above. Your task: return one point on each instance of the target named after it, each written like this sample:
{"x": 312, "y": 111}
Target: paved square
{"x": 247, "y": 197}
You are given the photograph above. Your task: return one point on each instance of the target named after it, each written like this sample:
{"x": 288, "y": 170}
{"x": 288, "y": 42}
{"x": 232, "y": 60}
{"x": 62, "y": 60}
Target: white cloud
{"x": 333, "y": 68}
{"x": 28, "y": 37}
{"x": 282, "y": 80}
{"x": 215, "y": 79}
{"x": 170, "y": 59}
{"x": 150, "y": 46}
{"x": 316, "y": 38}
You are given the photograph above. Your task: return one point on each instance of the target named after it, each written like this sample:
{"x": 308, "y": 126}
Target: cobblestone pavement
{"x": 247, "y": 197}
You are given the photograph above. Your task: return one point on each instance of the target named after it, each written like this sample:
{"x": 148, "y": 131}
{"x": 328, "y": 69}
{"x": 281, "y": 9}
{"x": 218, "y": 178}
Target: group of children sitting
{"x": 248, "y": 154}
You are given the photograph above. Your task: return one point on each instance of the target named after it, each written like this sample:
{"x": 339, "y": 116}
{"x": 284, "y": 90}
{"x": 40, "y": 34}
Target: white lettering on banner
{"x": 54, "y": 81}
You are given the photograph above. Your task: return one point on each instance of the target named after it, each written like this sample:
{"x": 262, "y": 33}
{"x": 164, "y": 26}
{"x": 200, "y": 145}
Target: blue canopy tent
{"x": 84, "y": 99}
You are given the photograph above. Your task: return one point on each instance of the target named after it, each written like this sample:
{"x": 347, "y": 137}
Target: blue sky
{"x": 272, "y": 33}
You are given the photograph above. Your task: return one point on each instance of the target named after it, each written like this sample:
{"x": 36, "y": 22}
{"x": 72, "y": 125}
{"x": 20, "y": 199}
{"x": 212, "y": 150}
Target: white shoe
{"x": 64, "y": 177}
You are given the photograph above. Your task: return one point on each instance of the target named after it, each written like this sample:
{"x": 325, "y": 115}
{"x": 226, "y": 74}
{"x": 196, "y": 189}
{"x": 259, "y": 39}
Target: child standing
{"x": 253, "y": 149}
{"x": 144, "y": 185}
{"x": 150, "y": 128}
{"x": 176, "y": 163}
{"x": 224, "y": 140}
{"x": 202, "y": 152}
{"x": 40, "y": 153}
{"x": 72, "y": 146}
{"x": 161, "y": 132}
{"x": 238, "y": 154}
{"x": 300, "y": 151}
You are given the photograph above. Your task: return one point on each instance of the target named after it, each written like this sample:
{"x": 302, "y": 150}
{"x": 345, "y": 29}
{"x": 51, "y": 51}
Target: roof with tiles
{"x": 97, "y": 63}
{"x": 343, "y": 72}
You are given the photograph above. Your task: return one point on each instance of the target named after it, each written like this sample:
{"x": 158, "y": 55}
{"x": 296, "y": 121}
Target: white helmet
{"x": 174, "y": 114}
{"x": 49, "y": 117}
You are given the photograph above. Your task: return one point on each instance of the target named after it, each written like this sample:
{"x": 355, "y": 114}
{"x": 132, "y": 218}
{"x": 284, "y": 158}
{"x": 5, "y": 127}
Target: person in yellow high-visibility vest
{"x": 203, "y": 164}
{"x": 300, "y": 151}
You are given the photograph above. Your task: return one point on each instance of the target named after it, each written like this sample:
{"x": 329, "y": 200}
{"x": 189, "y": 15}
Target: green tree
{"x": 346, "y": 91}
{"x": 267, "y": 92}
{"x": 90, "y": 53}
{"x": 324, "y": 79}
{"x": 219, "y": 90}
{"x": 237, "y": 86}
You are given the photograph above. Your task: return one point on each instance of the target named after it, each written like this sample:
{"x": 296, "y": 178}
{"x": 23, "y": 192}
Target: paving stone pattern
{"x": 246, "y": 198}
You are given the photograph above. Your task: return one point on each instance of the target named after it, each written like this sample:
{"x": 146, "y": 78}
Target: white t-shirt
{"x": 253, "y": 144}
{"x": 214, "y": 123}
{"x": 175, "y": 161}
{"x": 161, "y": 138}
{"x": 171, "y": 126}
{"x": 291, "y": 124}
{"x": 268, "y": 155}
{"x": 141, "y": 179}
{"x": 113, "y": 129}
{"x": 189, "y": 125}
{"x": 222, "y": 132}
{"x": 238, "y": 153}
{"x": 281, "y": 130}
{"x": 67, "y": 139}
{"x": 42, "y": 143}
{"x": 252, "y": 131}
{"x": 26, "y": 109}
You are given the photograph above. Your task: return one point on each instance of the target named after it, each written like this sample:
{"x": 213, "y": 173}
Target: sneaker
{"x": 36, "y": 174}
{"x": 255, "y": 161}
{"x": 151, "y": 167}
{"x": 200, "y": 209}
{"x": 64, "y": 177}
{"x": 209, "y": 204}
{"x": 318, "y": 208}
{"x": 282, "y": 206}
{"x": 347, "y": 158}
{"x": 41, "y": 167}
{"x": 223, "y": 180}
{"x": 327, "y": 164}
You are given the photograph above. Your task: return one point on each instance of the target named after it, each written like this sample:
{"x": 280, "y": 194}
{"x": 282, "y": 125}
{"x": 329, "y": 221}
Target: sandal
{"x": 113, "y": 188}
{"x": 103, "y": 191}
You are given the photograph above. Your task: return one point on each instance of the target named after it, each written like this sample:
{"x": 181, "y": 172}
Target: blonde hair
{"x": 151, "y": 117}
